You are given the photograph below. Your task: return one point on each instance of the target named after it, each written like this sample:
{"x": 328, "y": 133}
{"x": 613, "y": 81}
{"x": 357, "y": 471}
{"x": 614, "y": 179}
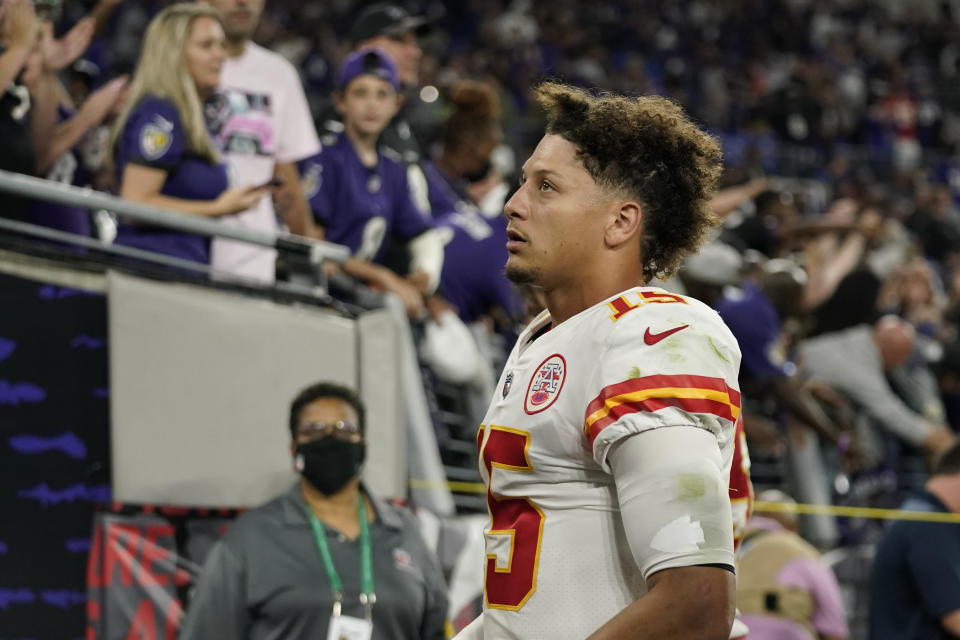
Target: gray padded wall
{"x": 201, "y": 382}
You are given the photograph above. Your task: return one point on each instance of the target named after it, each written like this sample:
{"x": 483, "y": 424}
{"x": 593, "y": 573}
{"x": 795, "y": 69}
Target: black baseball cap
{"x": 387, "y": 20}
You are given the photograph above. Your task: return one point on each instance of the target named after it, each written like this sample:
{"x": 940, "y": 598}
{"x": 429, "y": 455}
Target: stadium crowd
{"x": 837, "y": 265}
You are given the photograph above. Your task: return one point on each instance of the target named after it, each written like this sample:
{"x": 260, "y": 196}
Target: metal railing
{"x": 305, "y": 255}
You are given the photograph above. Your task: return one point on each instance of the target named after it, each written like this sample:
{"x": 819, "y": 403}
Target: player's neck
{"x": 364, "y": 144}
{"x": 601, "y": 282}
{"x": 947, "y": 489}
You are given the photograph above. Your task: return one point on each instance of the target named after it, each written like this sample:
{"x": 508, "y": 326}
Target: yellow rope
{"x": 453, "y": 485}
{"x": 858, "y": 512}
{"x": 810, "y": 509}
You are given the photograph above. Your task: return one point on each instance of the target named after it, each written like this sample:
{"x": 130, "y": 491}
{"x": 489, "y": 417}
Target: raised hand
{"x": 18, "y": 24}
{"x": 105, "y": 100}
{"x": 59, "y": 54}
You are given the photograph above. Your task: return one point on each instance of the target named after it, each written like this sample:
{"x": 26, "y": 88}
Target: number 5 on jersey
{"x": 516, "y": 524}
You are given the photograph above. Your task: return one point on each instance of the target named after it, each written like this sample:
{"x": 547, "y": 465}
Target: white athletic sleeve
{"x": 673, "y": 498}
{"x": 426, "y": 255}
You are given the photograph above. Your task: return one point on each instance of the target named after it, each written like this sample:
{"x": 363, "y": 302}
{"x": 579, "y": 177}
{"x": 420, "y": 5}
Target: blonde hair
{"x": 162, "y": 71}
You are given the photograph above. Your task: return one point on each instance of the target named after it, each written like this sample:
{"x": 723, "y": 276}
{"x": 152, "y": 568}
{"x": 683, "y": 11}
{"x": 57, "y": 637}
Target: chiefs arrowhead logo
{"x": 546, "y": 384}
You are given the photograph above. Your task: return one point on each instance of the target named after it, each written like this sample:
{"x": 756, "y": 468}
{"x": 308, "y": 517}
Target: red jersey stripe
{"x": 658, "y": 381}
{"x": 693, "y": 405}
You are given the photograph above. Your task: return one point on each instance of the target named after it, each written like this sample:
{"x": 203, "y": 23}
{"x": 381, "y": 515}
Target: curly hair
{"x": 648, "y": 149}
{"x": 475, "y": 116}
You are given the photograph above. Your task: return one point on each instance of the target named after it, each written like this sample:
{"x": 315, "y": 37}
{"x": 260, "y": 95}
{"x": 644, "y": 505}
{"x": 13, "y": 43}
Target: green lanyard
{"x": 367, "y": 597}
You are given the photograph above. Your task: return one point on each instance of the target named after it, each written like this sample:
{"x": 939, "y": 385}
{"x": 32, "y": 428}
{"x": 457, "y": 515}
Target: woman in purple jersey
{"x": 163, "y": 155}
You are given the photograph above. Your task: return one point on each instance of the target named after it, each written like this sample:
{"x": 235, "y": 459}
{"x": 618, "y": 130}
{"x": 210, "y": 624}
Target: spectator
{"x": 63, "y": 159}
{"x": 359, "y": 192}
{"x": 263, "y": 123}
{"x": 915, "y": 582}
{"x": 18, "y": 35}
{"x": 50, "y": 57}
{"x": 784, "y": 589}
{"x": 391, "y": 28}
{"x": 765, "y": 230}
{"x": 756, "y": 316}
{"x": 947, "y": 371}
{"x": 266, "y": 579}
{"x": 163, "y": 155}
{"x": 459, "y": 180}
{"x": 854, "y": 361}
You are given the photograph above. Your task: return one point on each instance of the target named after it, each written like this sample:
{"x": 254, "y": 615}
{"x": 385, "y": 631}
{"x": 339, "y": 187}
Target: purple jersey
{"x": 756, "y": 325}
{"x": 475, "y": 251}
{"x": 360, "y": 206}
{"x": 153, "y": 136}
{"x": 66, "y": 169}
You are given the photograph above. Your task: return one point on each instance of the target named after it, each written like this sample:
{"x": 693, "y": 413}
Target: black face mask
{"x": 480, "y": 173}
{"x": 329, "y": 463}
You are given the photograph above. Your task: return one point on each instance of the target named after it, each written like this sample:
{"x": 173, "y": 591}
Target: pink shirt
{"x": 814, "y": 577}
{"x": 261, "y": 118}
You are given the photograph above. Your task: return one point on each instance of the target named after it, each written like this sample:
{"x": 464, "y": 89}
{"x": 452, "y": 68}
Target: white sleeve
{"x": 297, "y": 135}
{"x": 426, "y": 255}
{"x": 673, "y": 498}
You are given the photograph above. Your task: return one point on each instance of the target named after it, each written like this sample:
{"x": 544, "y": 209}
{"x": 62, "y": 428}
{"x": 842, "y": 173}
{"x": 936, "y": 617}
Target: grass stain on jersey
{"x": 691, "y": 486}
{"x": 716, "y": 350}
{"x": 634, "y": 373}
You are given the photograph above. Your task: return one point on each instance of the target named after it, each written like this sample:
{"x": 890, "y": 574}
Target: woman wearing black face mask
{"x": 325, "y": 559}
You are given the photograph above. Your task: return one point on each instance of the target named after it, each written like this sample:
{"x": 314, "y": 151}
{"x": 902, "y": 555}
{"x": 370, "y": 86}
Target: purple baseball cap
{"x": 368, "y": 61}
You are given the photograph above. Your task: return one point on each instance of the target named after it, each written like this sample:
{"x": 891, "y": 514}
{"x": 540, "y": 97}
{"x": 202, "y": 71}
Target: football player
{"x": 607, "y": 447}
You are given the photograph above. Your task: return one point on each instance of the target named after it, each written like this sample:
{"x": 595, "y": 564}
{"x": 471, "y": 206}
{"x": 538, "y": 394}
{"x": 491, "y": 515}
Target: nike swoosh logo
{"x": 654, "y": 338}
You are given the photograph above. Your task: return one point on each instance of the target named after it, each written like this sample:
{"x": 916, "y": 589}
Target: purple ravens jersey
{"x": 360, "y": 206}
{"x": 753, "y": 320}
{"x": 153, "y": 136}
{"x": 66, "y": 169}
{"x": 475, "y": 251}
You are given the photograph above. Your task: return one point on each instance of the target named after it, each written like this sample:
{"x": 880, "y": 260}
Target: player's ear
{"x": 338, "y": 102}
{"x": 625, "y": 223}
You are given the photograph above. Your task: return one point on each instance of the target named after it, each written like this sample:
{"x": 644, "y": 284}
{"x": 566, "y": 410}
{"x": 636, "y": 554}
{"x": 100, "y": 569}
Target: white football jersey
{"x": 558, "y": 561}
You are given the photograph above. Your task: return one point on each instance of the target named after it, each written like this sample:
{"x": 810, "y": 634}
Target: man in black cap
{"x": 394, "y": 31}
{"x": 391, "y": 28}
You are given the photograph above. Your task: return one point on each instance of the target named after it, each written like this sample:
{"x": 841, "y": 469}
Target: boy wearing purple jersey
{"x": 359, "y": 192}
